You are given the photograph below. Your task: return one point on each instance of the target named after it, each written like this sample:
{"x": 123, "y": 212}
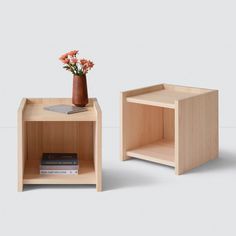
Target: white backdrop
{"x": 133, "y": 44}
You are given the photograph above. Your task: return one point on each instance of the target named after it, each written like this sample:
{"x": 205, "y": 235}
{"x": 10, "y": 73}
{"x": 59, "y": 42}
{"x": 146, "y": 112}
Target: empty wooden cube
{"x": 171, "y": 125}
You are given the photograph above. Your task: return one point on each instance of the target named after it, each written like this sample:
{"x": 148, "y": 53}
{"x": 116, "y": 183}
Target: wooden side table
{"x": 41, "y": 131}
{"x": 171, "y": 125}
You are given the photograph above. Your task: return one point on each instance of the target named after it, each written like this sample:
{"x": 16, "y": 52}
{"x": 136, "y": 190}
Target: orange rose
{"x": 63, "y": 57}
{"x": 66, "y": 61}
{"x": 83, "y": 61}
{"x": 73, "y": 53}
{"x": 71, "y": 60}
{"x": 90, "y": 64}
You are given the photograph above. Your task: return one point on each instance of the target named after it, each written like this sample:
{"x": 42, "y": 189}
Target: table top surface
{"x": 165, "y": 96}
{"x": 32, "y": 109}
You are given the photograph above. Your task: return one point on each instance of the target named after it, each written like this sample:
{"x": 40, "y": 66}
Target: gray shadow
{"x": 168, "y": 168}
{"x": 123, "y": 178}
{"x": 226, "y": 161}
{"x": 29, "y": 187}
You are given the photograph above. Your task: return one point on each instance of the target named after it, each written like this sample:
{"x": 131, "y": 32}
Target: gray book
{"x": 67, "y": 109}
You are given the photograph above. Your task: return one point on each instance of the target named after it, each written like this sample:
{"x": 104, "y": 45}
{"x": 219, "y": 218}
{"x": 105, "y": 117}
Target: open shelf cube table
{"x": 171, "y": 125}
{"x": 41, "y": 131}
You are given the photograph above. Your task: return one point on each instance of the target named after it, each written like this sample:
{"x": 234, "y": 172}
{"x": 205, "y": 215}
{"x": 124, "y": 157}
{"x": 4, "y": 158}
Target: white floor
{"x": 139, "y": 198}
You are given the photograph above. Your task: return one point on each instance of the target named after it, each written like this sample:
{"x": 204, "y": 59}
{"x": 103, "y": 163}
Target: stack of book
{"x": 59, "y": 164}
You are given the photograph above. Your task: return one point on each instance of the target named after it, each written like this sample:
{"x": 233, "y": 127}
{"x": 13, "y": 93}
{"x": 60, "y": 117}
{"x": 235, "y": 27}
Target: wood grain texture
{"x": 169, "y": 124}
{"x": 197, "y": 134}
{"x": 139, "y": 91}
{"x": 163, "y": 98}
{"x": 188, "y": 89}
{"x": 36, "y": 112}
{"x": 160, "y": 152}
{"x": 98, "y": 146}
{"x": 37, "y": 133}
{"x": 130, "y": 121}
{"x": 123, "y": 126}
{"x": 21, "y": 139}
{"x": 59, "y": 137}
{"x": 51, "y": 101}
{"x": 185, "y": 116}
{"x": 86, "y": 174}
{"x": 143, "y": 125}
{"x": 165, "y": 95}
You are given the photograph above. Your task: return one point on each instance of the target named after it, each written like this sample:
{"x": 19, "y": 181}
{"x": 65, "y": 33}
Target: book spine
{"x": 52, "y": 162}
{"x": 59, "y": 167}
{"x": 58, "y": 172}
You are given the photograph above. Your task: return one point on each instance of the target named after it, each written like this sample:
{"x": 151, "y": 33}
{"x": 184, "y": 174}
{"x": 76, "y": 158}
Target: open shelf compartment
{"x": 59, "y": 137}
{"x": 149, "y": 123}
{"x": 151, "y": 134}
{"x": 86, "y": 175}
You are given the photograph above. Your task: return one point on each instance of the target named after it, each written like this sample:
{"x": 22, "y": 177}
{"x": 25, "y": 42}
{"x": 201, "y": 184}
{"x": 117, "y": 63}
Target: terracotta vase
{"x": 79, "y": 93}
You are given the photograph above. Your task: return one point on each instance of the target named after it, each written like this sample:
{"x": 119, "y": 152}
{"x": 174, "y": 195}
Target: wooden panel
{"x": 52, "y": 101}
{"x": 187, "y": 89}
{"x": 143, "y": 125}
{"x": 123, "y": 126}
{"x": 98, "y": 147}
{"x": 133, "y": 117}
{"x": 34, "y": 140}
{"x": 21, "y": 139}
{"x": 84, "y": 140}
{"x": 160, "y": 152}
{"x": 169, "y": 123}
{"x": 135, "y": 92}
{"x": 197, "y": 131}
{"x": 36, "y": 112}
{"x": 163, "y": 98}
{"x": 60, "y": 137}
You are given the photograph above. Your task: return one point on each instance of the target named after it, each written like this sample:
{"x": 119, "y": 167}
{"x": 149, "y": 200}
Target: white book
{"x": 58, "y": 172}
{"x": 59, "y": 167}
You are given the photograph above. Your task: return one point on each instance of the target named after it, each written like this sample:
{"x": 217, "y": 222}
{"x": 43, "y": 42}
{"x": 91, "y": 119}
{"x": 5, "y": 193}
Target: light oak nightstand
{"x": 41, "y": 131}
{"x": 171, "y": 125}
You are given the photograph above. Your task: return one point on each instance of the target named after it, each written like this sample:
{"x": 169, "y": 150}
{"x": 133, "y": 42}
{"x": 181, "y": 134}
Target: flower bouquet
{"x": 79, "y": 68}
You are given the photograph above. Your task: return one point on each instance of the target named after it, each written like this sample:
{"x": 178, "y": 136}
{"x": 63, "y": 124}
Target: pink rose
{"x": 74, "y": 60}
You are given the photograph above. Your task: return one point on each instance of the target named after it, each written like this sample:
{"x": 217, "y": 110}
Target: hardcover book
{"x": 59, "y": 159}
